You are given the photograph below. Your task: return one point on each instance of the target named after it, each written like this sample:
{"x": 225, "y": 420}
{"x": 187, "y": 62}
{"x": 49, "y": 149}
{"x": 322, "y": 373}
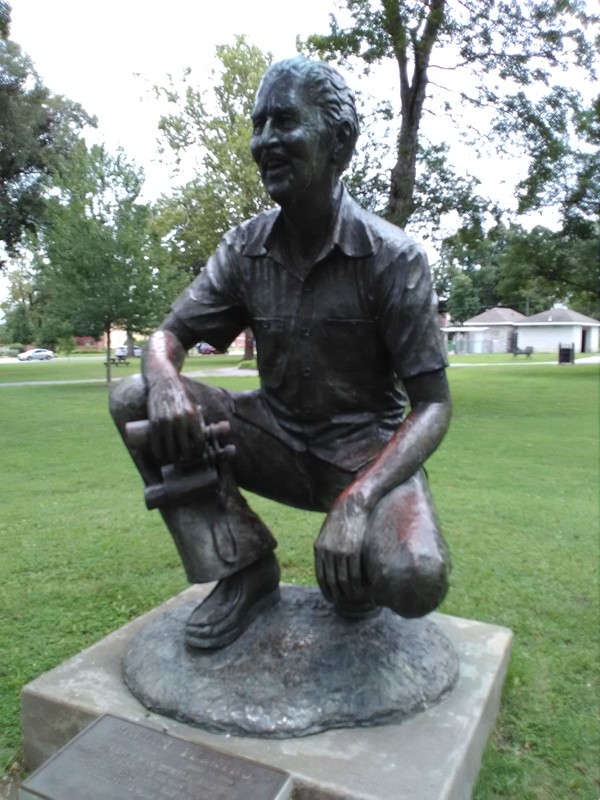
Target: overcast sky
{"x": 92, "y": 52}
{"x": 107, "y": 55}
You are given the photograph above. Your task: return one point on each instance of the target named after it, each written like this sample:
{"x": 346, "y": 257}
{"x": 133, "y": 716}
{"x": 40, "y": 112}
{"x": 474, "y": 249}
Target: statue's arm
{"x": 209, "y": 309}
{"x": 339, "y": 547}
{"x": 414, "y": 441}
{"x": 176, "y": 430}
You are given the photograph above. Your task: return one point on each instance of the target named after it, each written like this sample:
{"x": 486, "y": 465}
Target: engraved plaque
{"x": 115, "y": 758}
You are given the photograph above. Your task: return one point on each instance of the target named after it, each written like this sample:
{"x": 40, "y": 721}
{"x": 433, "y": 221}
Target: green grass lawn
{"x": 79, "y": 368}
{"x": 516, "y": 483}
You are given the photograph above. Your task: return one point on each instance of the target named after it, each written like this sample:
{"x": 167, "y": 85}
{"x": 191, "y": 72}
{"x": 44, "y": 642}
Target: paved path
{"x": 235, "y": 372}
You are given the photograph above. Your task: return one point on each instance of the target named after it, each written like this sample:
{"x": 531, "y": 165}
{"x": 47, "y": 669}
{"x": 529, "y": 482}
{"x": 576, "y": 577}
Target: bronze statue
{"x": 342, "y": 308}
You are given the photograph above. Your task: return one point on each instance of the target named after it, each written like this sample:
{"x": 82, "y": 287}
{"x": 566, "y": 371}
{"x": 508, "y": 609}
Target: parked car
{"x": 121, "y": 352}
{"x": 206, "y": 349}
{"x": 39, "y": 354}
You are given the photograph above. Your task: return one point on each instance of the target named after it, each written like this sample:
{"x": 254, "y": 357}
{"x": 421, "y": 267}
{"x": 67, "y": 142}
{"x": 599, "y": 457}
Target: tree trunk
{"x": 108, "y": 361}
{"x": 248, "y": 345}
{"x": 403, "y": 175}
{"x": 413, "y": 90}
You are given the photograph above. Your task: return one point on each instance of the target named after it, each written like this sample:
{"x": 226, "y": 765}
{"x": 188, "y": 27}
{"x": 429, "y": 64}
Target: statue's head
{"x": 304, "y": 102}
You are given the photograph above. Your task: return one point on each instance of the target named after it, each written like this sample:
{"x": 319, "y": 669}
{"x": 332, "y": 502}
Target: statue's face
{"x": 291, "y": 142}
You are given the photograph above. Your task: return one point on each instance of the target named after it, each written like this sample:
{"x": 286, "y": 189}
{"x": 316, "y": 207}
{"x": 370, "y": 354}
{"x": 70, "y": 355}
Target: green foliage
{"x": 440, "y": 190}
{"x": 37, "y": 130}
{"x": 97, "y": 272}
{"x": 525, "y": 270}
{"x": 66, "y": 345}
{"x": 18, "y": 327}
{"x": 53, "y": 329}
{"x": 4, "y": 19}
{"x": 463, "y": 302}
{"x": 213, "y": 124}
{"x": 505, "y": 61}
{"x": 12, "y": 349}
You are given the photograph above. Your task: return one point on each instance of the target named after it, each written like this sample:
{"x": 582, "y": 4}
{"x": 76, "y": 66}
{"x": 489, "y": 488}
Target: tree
{"x": 4, "y": 19}
{"x": 18, "y": 327}
{"x": 540, "y": 266}
{"x": 214, "y": 127}
{"x": 510, "y": 266}
{"x": 37, "y": 131}
{"x": 463, "y": 302}
{"x": 97, "y": 273}
{"x": 500, "y": 49}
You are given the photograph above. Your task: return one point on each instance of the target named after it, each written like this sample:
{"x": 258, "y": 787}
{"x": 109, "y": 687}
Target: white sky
{"x": 107, "y": 55}
{"x": 91, "y": 53}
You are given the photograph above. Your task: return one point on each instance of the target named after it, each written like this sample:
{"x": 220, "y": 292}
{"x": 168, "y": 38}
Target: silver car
{"x": 39, "y": 354}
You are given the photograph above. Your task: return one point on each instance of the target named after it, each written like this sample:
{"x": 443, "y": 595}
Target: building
{"x": 559, "y": 326}
{"x": 503, "y": 330}
{"x": 494, "y": 331}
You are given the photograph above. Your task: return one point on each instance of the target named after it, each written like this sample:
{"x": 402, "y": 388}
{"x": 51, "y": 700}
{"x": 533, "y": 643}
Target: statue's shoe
{"x": 233, "y": 604}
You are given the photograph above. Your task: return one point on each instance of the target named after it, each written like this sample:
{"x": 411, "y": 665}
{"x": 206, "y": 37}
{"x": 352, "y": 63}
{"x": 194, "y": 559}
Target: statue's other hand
{"x": 338, "y": 551}
{"x": 176, "y": 428}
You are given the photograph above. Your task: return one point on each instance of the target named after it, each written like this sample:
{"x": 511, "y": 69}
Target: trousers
{"x": 406, "y": 559}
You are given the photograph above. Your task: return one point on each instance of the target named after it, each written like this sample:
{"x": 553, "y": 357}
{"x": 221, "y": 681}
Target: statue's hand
{"x": 176, "y": 428}
{"x": 338, "y": 551}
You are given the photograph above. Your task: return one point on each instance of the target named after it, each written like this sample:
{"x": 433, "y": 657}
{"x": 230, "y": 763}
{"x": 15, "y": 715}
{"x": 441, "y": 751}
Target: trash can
{"x": 566, "y": 353}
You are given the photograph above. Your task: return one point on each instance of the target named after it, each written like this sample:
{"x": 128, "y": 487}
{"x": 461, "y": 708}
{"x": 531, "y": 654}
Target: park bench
{"x": 527, "y": 351}
{"x": 117, "y": 361}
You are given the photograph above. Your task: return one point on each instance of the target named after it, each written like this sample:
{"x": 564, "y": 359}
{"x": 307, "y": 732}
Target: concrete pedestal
{"x": 435, "y": 754}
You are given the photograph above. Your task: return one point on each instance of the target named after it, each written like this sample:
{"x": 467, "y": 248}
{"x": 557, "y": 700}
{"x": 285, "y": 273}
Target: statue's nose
{"x": 268, "y": 134}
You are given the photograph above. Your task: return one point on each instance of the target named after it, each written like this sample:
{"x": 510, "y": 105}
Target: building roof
{"x": 497, "y": 316}
{"x": 560, "y": 315}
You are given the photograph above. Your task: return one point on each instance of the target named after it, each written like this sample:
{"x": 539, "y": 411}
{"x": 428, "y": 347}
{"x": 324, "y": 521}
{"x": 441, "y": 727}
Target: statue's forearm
{"x": 163, "y": 356}
{"x": 417, "y": 438}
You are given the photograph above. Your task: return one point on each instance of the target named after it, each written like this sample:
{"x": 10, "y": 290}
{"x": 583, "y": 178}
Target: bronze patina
{"x": 353, "y": 395}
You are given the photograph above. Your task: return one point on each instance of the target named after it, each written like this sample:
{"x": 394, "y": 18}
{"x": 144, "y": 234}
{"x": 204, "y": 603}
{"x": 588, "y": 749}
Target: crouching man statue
{"x": 342, "y": 308}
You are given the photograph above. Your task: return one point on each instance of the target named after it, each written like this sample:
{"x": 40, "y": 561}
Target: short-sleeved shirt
{"x": 333, "y": 343}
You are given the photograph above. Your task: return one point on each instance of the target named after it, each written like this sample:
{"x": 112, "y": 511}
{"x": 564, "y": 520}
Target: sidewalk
{"x": 241, "y": 373}
{"x": 595, "y": 359}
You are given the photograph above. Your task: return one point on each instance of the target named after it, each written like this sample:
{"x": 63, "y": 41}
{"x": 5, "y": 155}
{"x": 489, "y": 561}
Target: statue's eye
{"x": 257, "y": 125}
{"x": 287, "y": 121}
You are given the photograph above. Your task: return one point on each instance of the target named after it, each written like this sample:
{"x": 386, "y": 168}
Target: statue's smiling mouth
{"x": 274, "y": 164}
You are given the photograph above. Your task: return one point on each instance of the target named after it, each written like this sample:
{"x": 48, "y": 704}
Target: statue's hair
{"x": 330, "y": 92}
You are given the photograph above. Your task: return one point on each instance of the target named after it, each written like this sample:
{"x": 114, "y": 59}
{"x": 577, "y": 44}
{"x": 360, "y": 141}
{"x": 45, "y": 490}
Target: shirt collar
{"x": 349, "y": 232}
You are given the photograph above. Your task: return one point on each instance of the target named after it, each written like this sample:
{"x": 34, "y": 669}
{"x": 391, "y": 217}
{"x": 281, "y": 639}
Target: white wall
{"x": 546, "y": 338}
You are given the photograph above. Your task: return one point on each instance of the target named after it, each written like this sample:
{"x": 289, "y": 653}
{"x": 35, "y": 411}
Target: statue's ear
{"x": 342, "y": 144}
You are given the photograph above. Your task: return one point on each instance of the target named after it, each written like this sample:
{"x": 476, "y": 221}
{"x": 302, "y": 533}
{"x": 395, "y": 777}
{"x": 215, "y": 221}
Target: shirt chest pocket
{"x": 270, "y": 334}
{"x": 352, "y": 344}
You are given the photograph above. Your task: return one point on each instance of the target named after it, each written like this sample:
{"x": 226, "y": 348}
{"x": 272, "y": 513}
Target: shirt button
{"x": 305, "y": 333}
{"x": 306, "y": 372}
{"x": 307, "y": 287}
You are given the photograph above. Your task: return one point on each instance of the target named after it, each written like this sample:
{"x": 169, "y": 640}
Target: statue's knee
{"x": 127, "y": 400}
{"x": 407, "y": 559}
{"x": 413, "y": 588}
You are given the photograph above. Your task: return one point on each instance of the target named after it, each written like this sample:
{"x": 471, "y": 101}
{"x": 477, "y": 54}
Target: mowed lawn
{"x": 516, "y": 483}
